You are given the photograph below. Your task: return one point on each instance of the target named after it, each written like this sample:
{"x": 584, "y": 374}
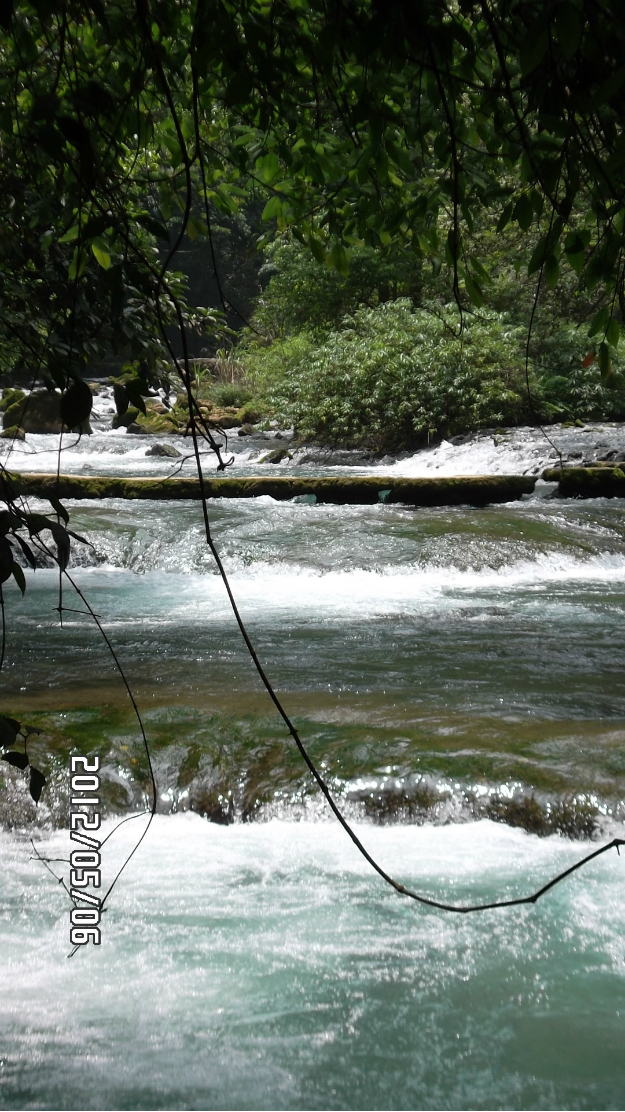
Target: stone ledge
{"x": 475, "y": 490}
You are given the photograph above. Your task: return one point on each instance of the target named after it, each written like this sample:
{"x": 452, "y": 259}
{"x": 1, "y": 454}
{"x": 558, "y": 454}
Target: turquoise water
{"x": 464, "y": 662}
{"x": 263, "y": 966}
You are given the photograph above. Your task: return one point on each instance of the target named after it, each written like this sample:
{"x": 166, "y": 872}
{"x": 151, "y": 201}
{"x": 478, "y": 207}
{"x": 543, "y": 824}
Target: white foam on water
{"x": 510, "y": 451}
{"x": 524, "y": 450}
{"x": 266, "y": 966}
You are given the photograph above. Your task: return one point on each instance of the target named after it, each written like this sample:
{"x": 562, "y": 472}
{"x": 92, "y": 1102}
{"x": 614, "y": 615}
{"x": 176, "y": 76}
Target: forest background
{"x": 437, "y": 189}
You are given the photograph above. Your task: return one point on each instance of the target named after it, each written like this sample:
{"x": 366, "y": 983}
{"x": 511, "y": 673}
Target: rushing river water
{"x": 457, "y": 674}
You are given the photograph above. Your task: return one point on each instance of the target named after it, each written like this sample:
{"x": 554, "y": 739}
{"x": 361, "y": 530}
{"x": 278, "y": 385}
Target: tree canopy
{"x": 125, "y": 124}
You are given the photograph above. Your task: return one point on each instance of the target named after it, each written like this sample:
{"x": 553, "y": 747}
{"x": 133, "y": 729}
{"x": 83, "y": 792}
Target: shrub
{"x": 231, "y": 394}
{"x": 570, "y": 390}
{"x": 396, "y": 376}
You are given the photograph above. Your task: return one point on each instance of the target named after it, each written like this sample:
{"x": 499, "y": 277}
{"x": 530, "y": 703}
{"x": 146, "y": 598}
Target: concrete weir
{"x": 477, "y": 490}
{"x": 601, "y": 481}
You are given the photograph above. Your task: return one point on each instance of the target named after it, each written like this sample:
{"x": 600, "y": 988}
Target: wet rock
{"x": 39, "y": 412}
{"x": 277, "y": 456}
{"x": 14, "y": 433}
{"x": 251, "y": 413}
{"x": 165, "y": 450}
{"x": 611, "y": 454}
{"x": 138, "y": 430}
{"x": 246, "y": 430}
{"x": 225, "y": 418}
{"x": 123, "y": 420}
{"x": 10, "y": 396}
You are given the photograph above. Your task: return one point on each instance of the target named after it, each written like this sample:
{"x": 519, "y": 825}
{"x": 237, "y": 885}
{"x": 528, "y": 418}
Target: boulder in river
{"x": 14, "y": 433}
{"x": 123, "y": 420}
{"x": 39, "y": 412}
{"x": 277, "y": 456}
{"x": 166, "y": 450}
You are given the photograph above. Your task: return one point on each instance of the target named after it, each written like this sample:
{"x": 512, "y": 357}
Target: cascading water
{"x": 455, "y": 673}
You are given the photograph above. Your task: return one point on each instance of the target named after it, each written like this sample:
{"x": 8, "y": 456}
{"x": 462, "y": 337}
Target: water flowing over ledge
{"x": 476, "y": 490}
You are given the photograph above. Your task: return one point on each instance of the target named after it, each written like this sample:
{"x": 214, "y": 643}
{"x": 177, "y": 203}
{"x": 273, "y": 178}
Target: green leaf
{"x": 27, "y": 550}
{"x": 37, "y": 783}
{"x": 15, "y": 758}
{"x": 268, "y": 167}
{"x": 605, "y": 361}
{"x": 576, "y": 242}
{"x": 58, "y": 507}
{"x": 6, "y": 560}
{"x": 538, "y": 256}
{"x": 317, "y": 248}
{"x": 76, "y": 404}
{"x": 599, "y": 322}
{"x": 61, "y": 539}
{"x": 9, "y": 729}
{"x": 523, "y": 212}
{"x": 613, "y": 332}
{"x": 70, "y": 235}
{"x": 78, "y": 264}
{"x": 102, "y": 257}
{"x": 474, "y": 291}
{"x": 196, "y": 227}
{"x": 551, "y": 271}
{"x": 339, "y": 259}
{"x": 18, "y": 576}
{"x": 504, "y": 219}
{"x": 272, "y": 208}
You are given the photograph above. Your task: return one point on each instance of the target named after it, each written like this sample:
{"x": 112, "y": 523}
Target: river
{"x": 457, "y": 675}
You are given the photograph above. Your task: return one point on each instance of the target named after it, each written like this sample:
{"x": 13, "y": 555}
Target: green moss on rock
{"x": 476, "y": 491}
{"x": 588, "y": 482}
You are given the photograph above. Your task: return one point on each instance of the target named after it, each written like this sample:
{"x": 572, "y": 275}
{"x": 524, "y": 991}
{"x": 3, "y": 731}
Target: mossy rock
{"x": 10, "y": 396}
{"x": 226, "y": 418}
{"x": 587, "y": 482}
{"x": 123, "y": 420}
{"x": 39, "y": 412}
{"x": 277, "y": 456}
{"x": 14, "y": 433}
{"x": 166, "y": 451}
{"x": 477, "y": 490}
{"x": 252, "y": 412}
{"x": 163, "y": 424}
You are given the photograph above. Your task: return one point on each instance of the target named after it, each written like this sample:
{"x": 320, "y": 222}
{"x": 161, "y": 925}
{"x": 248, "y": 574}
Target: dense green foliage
{"x": 395, "y": 375}
{"x": 125, "y": 123}
{"x": 346, "y": 363}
